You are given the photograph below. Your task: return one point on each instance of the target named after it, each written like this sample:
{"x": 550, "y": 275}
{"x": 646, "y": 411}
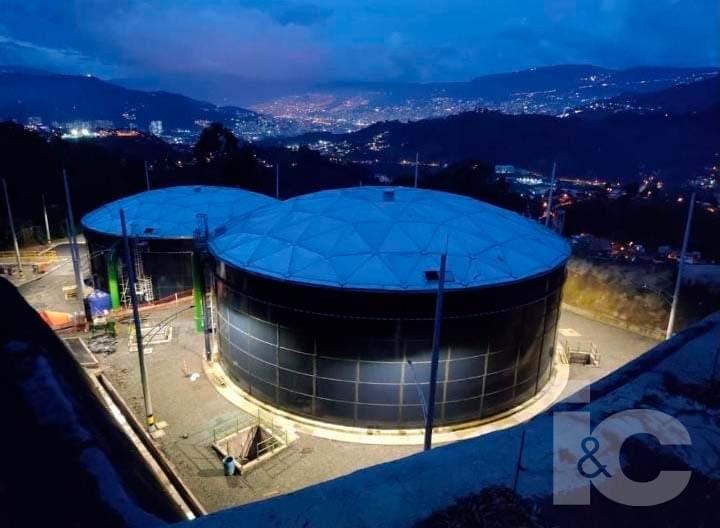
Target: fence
{"x": 585, "y": 352}
{"x": 278, "y": 436}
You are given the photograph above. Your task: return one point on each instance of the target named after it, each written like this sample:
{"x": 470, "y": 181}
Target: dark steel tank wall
{"x": 167, "y": 262}
{"x": 360, "y": 358}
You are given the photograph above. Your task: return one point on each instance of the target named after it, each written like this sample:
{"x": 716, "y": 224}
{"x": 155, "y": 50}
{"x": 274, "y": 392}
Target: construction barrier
{"x": 57, "y": 320}
{"x": 30, "y": 256}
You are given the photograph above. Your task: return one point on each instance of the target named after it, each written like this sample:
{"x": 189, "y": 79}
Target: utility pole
{"x": 47, "y": 224}
{"x": 518, "y": 465}
{"x": 435, "y": 354}
{"x": 147, "y": 176}
{"x": 277, "y": 181}
{"x": 12, "y": 228}
{"x": 150, "y": 417}
{"x": 550, "y": 196}
{"x": 417, "y": 162}
{"x": 74, "y": 252}
{"x": 681, "y": 266}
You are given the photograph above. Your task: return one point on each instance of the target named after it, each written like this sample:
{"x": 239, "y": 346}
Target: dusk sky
{"x": 425, "y": 40}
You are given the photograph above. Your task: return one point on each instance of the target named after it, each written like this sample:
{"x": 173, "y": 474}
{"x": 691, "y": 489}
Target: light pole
{"x": 435, "y": 354}
{"x": 47, "y": 223}
{"x": 74, "y": 252}
{"x": 150, "y": 417}
{"x": 681, "y": 266}
{"x": 12, "y": 228}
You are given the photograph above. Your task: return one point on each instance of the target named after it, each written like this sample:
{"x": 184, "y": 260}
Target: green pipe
{"x": 198, "y": 279}
{"x": 112, "y": 273}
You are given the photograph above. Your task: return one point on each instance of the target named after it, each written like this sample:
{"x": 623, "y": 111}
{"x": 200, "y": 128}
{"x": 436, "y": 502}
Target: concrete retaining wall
{"x": 629, "y": 296}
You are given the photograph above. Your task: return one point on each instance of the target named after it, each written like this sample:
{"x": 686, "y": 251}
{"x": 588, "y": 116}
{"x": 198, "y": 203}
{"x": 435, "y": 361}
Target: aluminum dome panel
{"x": 386, "y": 238}
{"x": 171, "y": 213}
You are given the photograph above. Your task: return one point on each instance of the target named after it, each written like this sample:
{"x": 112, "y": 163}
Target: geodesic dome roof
{"x": 389, "y": 238}
{"x": 171, "y": 213}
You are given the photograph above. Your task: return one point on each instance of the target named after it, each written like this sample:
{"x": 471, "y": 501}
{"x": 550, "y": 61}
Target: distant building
{"x": 616, "y": 193}
{"x": 504, "y": 169}
{"x": 90, "y": 125}
{"x": 591, "y": 243}
{"x": 156, "y": 127}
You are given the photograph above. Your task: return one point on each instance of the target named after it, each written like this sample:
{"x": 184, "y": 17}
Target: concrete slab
{"x": 195, "y": 411}
{"x": 297, "y": 425}
{"x": 569, "y": 332}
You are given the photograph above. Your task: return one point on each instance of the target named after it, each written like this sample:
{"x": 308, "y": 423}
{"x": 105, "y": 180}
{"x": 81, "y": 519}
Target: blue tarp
{"x": 99, "y": 303}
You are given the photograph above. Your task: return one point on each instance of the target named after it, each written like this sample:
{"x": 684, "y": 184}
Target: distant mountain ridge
{"x": 588, "y": 81}
{"x": 492, "y": 88}
{"x": 618, "y": 146}
{"x": 25, "y": 93}
{"x": 686, "y": 98}
{"x": 673, "y": 132}
{"x": 221, "y": 89}
{"x": 568, "y": 76}
{"x": 555, "y": 90}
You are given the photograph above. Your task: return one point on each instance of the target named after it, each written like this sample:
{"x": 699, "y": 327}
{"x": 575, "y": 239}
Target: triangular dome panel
{"x": 387, "y": 238}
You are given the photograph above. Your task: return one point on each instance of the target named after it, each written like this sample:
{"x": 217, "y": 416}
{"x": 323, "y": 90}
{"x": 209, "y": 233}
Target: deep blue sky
{"x": 423, "y": 40}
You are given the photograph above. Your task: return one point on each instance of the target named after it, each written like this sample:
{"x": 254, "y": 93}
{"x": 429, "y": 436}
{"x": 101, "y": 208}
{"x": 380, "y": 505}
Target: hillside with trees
{"x": 615, "y": 147}
{"x": 68, "y": 98}
{"x": 104, "y": 169}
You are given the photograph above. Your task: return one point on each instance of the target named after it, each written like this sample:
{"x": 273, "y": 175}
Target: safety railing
{"x": 583, "y": 352}
{"x": 229, "y": 428}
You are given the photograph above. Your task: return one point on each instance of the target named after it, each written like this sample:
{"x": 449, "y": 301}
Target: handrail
{"x": 587, "y": 348}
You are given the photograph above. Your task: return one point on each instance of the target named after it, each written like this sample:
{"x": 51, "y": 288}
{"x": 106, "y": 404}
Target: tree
{"x": 477, "y": 180}
{"x": 215, "y": 142}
